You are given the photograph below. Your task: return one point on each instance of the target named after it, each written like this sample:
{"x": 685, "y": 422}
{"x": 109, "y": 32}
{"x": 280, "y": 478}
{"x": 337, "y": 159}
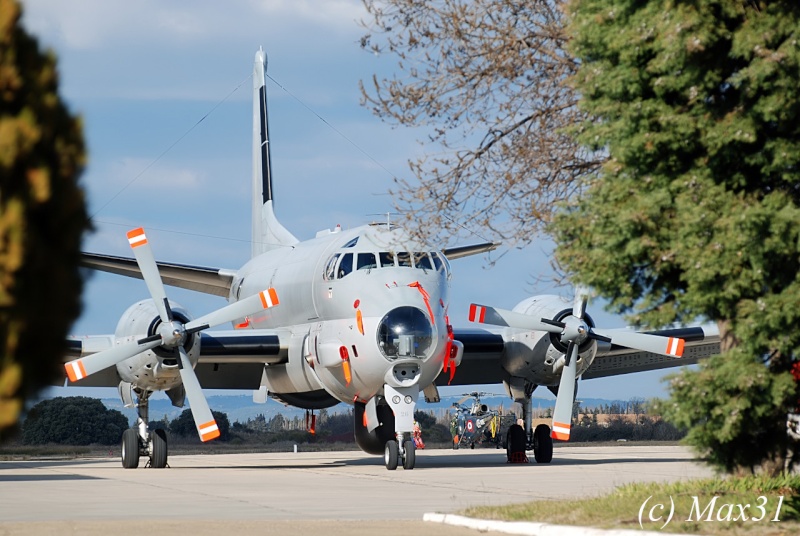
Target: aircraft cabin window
{"x": 387, "y": 258}
{"x": 437, "y": 261}
{"x": 352, "y": 243}
{"x": 404, "y": 259}
{"x": 446, "y": 262}
{"x": 330, "y": 268}
{"x": 345, "y": 266}
{"x": 421, "y": 260}
{"x": 366, "y": 261}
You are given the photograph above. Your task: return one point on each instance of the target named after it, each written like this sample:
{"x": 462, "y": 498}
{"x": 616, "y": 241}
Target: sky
{"x": 165, "y": 96}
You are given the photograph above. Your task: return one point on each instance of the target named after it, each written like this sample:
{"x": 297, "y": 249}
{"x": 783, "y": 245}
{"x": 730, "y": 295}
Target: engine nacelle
{"x": 156, "y": 369}
{"x": 539, "y": 356}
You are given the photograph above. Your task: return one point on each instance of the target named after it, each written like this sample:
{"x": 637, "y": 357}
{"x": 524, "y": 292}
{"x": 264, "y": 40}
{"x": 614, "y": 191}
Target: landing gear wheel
{"x": 391, "y": 455}
{"x": 410, "y": 458}
{"x": 130, "y": 448}
{"x": 158, "y": 459}
{"x": 542, "y": 444}
{"x": 515, "y": 444}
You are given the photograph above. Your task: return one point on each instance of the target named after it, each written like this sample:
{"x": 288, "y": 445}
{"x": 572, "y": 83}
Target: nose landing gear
{"x": 402, "y": 450}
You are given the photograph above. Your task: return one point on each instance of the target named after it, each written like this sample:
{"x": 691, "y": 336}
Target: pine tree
{"x": 42, "y": 217}
{"x": 695, "y": 214}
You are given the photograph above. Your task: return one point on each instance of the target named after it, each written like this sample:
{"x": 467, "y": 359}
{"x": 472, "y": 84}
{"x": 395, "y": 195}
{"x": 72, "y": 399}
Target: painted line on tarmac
{"x": 530, "y": 529}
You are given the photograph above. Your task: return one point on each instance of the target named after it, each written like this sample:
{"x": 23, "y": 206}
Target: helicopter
{"x": 475, "y": 423}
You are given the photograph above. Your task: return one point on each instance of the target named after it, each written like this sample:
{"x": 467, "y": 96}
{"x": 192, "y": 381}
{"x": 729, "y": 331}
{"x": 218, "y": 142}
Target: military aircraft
{"x": 475, "y": 423}
{"x": 357, "y": 316}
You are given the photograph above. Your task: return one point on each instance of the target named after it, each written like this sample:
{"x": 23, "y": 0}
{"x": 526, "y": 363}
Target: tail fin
{"x": 268, "y": 233}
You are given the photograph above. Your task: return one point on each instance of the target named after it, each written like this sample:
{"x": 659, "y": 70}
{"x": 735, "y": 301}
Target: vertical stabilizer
{"x": 268, "y": 233}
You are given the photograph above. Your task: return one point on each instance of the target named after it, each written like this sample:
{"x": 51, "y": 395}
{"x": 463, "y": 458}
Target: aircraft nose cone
{"x": 405, "y": 332}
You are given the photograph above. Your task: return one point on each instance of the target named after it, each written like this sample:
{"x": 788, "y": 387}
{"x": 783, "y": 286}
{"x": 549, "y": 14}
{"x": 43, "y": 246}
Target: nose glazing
{"x": 405, "y": 332}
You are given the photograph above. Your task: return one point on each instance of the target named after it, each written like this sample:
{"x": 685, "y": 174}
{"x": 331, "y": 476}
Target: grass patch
{"x": 708, "y": 506}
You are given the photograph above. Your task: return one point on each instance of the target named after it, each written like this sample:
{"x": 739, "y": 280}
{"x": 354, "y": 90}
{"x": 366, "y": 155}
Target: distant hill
{"x": 241, "y": 407}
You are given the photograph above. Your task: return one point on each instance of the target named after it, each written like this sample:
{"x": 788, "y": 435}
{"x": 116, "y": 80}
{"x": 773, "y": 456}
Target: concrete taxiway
{"x": 281, "y": 493}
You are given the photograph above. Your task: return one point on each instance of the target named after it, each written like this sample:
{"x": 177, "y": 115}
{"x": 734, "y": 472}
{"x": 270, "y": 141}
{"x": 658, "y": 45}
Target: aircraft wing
{"x": 216, "y": 281}
{"x": 466, "y": 251}
{"x": 613, "y": 360}
{"x": 483, "y": 348}
{"x": 481, "y": 361}
{"x": 231, "y": 359}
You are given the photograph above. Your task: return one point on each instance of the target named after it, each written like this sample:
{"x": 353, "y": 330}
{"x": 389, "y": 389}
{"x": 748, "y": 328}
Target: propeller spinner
{"x": 171, "y": 334}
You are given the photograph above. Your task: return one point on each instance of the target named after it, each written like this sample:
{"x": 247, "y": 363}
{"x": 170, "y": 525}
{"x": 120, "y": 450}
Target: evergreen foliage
{"x": 42, "y": 217}
{"x": 695, "y": 213}
{"x": 74, "y": 420}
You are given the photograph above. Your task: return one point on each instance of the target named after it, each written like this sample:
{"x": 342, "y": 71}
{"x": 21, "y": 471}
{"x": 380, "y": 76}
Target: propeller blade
{"x": 203, "y": 418}
{"x": 83, "y": 367}
{"x": 484, "y": 314}
{"x": 562, "y": 414}
{"x": 579, "y": 302}
{"x": 149, "y": 268}
{"x": 669, "y": 346}
{"x": 248, "y": 306}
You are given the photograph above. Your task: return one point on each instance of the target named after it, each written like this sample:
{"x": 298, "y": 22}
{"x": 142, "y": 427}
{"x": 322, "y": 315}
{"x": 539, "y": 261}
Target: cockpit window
{"x": 330, "y": 267}
{"x": 366, "y": 261}
{"x": 404, "y": 259}
{"x": 437, "y": 261}
{"x": 345, "y": 266}
{"x": 421, "y": 260}
{"x": 439, "y": 258}
{"x": 387, "y": 258}
{"x": 352, "y": 243}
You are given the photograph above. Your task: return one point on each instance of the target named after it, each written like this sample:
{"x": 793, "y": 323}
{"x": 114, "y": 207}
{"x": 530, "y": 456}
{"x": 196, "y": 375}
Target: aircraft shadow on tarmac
{"x": 489, "y": 459}
{"x": 499, "y": 460}
{"x": 44, "y": 478}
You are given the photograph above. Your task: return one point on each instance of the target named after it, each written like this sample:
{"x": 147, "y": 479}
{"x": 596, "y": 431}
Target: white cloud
{"x": 98, "y": 24}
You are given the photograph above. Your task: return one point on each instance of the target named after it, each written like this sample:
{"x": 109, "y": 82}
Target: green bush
{"x": 74, "y": 420}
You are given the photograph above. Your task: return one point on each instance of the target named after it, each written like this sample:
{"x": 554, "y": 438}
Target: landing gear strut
{"x": 140, "y": 440}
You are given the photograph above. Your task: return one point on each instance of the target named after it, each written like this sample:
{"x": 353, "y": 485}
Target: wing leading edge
{"x": 215, "y": 281}
{"x": 228, "y": 359}
{"x": 483, "y": 349}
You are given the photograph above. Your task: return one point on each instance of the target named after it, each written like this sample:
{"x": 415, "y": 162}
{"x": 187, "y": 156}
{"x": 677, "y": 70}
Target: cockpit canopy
{"x": 342, "y": 263}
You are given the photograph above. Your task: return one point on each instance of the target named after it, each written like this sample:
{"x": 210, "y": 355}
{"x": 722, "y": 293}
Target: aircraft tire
{"x": 515, "y": 442}
{"x": 391, "y": 455}
{"x": 159, "y": 458}
{"x": 130, "y": 448}
{"x": 543, "y": 444}
{"x": 410, "y": 458}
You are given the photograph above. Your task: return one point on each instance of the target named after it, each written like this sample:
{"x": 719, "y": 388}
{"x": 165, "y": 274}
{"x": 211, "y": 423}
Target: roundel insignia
{"x": 470, "y": 426}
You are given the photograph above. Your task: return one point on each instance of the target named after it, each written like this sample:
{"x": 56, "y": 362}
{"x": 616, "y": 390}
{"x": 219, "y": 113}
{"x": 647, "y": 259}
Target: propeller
{"x": 171, "y": 334}
{"x": 574, "y": 331}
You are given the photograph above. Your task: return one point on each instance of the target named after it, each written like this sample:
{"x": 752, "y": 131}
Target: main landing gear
{"x": 140, "y": 441}
{"x": 542, "y": 444}
{"x": 393, "y": 454}
{"x": 538, "y": 439}
{"x": 517, "y": 443}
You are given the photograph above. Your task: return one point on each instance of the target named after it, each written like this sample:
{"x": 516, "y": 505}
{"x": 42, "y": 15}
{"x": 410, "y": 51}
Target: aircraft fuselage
{"x": 371, "y": 300}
